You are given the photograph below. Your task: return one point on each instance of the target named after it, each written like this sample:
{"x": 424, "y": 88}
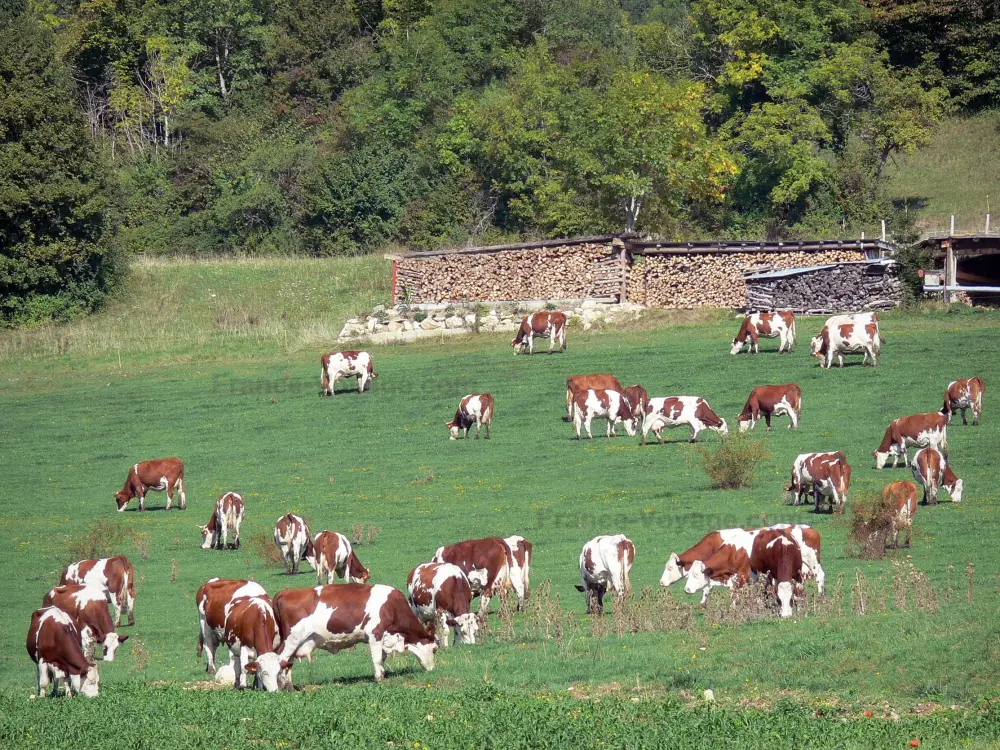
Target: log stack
{"x": 713, "y": 279}
{"x": 559, "y": 272}
{"x": 835, "y": 288}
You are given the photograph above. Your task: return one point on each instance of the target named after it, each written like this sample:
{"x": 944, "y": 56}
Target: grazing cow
{"x": 768, "y": 325}
{"x": 964, "y": 394}
{"x": 485, "y": 562}
{"x": 53, "y": 643}
{"x": 826, "y": 474}
{"x": 848, "y": 334}
{"x": 600, "y": 404}
{"x": 520, "y": 568}
{"x": 771, "y": 401}
{"x": 901, "y": 497}
{"x": 88, "y": 607}
{"x": 251, "y": 632}
{"x": 778, "y": 557}
{"x": 113, "y": 575}
{"x": 638, "y": 398}
{"x": 335, "y": 556}
{"x": 337, "y": 617}
{"x": 728, "y": 565}
{"x": 810, "y": 545}
{"x": 475, "y": 409}
{"x": 921, "y": 430}
{"x": 677, "y": 566}
{"x": 338, "y": 365}
{"x": 674, "y": 411}
{"x": 605, "y": 562}
{"x": 212, "y": 599}
{"x": 164, "y": 474}
{"x": 546, "y": 324}
{"x": 441, "y": 597}
{"x": 228, "y": 514}
{"x": 577, "y": 383}
{"x": 931, "y": 469}
{"x": 291, "y": 535}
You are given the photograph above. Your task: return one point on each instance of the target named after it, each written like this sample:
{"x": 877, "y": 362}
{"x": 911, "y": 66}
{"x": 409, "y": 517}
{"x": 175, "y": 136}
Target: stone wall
{"x": 870, "y": 285}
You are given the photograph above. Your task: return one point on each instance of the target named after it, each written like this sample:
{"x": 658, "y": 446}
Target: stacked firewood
{"x": 560, "y": 272}
{"x": 686, "y": 280}
{"x": 835, "y": 288}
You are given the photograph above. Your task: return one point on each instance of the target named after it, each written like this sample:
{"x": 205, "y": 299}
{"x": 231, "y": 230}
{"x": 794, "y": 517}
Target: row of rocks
{"x": 400, "y": 323}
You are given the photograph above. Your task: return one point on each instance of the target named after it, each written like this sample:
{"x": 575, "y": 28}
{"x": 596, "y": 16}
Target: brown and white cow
{"x": 163, "y": 474}
{"x": 291, "y": 535}
{"x": 810, "y": 547}
{"x": 335, "y": 556}
{"x": 901, "y": 498}
{"x": 674, "y": 411}
{"x": 53, "y": 643}
{"x": 768, "y": 325}
{"x": 228, "y": 514}
{"x": 485, "y": 562}
{"x": 638, "y": 398}
{"x": 341, "y": 365}
{"x": 848, "y": 334}
{"x": 251, "y": 632}
{"x": 771, "y": 401}
{"x": 605, "y": 562}
{"x": 931, "y": 469}
{"x": 212, "y": 599}
{"x": 728, "y": 565}
{"x": 334, "y": 618}
{"x": 88, "y": 607}
{"x": 520, "y": 568}
{"x": 600, "y": 404}
{"x": 825, "y": 474}
{"x": 475, "y": 409}
{"x": 113, "y": 575}
{"x": 778, "y": 557}
{"x": 598, "y": 381}
{"x": 545, "y": 324}
{"x": 441, "y": 598}
{"x": 962, "y": 395}
{"x": 921, "y": 430}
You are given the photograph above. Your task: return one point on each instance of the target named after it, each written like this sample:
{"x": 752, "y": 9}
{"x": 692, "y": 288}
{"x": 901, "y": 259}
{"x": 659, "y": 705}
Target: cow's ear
{"x": 285, "y": 664}
{"x": 580, "y": 588}
{"x": 252, "y": 667}
{"x": 122, "y": 639}
{"x": 708, "y": 572}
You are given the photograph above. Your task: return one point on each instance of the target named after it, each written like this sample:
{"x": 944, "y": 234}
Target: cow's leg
{"x": 378, "y": 658}
{"x": 964, "y": 420}
{"x": 142, "y": 500}
{"x": 129, "y": 600}
{"x": 43, "y": 677}
{"x": 488, "y": 428}
{"x": 441, "y": 629}
{"x": 659, "y": 436}
{"x": 484, "y": 603}
{"x": 908, "y": 529}
{"x": 586, "y": 423}
{"x": 479, "y": 426}
{"x": 600, "y": 600}
{"x": 531, "y": 343}
{"x": 767, "y": 421}
{"x": 611, "y": 427}
{"x": 180, "y": 488}
{"x": 793, "y": 417}
{"x": 694, "y": 433}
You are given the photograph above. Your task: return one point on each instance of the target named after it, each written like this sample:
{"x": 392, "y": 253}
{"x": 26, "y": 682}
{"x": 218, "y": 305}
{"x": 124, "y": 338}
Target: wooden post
{"x": 883, "y": 230}
{"x": 949, "y": 269}
{"x": 987, "y": 223}
{"x": 952, "y": 232}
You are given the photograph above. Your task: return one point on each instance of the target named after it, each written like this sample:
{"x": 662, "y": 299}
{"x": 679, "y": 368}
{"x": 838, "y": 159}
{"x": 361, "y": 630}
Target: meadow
{"x": 240, "y": 405}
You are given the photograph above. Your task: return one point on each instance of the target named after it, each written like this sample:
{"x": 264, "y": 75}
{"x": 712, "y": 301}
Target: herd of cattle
{"x": 265, "y": 636}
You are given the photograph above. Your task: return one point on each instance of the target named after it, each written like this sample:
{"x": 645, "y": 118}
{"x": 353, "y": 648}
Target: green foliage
{"x": 734, "y": 464}
{"x": 56, "y": 193}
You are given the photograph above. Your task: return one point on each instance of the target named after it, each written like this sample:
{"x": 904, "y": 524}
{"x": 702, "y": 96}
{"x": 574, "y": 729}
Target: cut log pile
{"x": 835, "y": 288}
{"x": 688, "y": 280}
{"x": 560, "y": 272}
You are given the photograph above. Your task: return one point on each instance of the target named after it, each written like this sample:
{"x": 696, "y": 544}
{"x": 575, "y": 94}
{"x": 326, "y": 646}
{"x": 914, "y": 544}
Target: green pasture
{"x": 242, "y": 410}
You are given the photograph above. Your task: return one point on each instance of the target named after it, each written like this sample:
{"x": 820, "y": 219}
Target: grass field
{"x": 241, "y": 408}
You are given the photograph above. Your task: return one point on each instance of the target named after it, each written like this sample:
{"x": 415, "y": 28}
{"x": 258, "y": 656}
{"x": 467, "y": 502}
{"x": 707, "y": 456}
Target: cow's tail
{"x": 798, "y": 401}
{"x": 371, "y": 369}
{"x": 795, "y": 336}
{"x": 324, "y": 375}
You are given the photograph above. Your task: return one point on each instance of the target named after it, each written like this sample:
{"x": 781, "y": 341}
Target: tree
{"x": 55, "y": 208}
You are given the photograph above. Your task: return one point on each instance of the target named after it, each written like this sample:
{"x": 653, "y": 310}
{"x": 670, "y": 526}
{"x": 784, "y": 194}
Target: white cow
{"x": 931, "y": 469}
{"x": 675, "y": 411}
{"x": 338, "y": 365}
{"x": 440, "y": 595}
{"x": 605, "y": 562}
{"x": 848, "y": 334}
{"x": 602, "y": 404}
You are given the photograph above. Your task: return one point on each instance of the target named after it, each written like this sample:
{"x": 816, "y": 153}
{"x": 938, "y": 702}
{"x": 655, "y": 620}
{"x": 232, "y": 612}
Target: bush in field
{"x": 262, "y": 544}
{"x": 871, "y": 526}
{"x": 106, "y": 539}
{"x": 734, "y": 463}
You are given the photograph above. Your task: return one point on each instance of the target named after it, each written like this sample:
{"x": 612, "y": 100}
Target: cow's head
{"x": 737, "y": 345}
{"x": 785, "y": 591}
{"x": 466, "y": 628}
{"x": 517, "y": 343}
{"x": 122, "y": 497}
{"x": 206, "y": 536}
{"x": 424, "y": 648}
{"x": 453, "y": 429}
{"x": 268, "y": 667}
{"x": 722, "y": 429}
{"x": 699, "y": 577}
{"x": 672, "y": 572}
{"x": 630, "y": 425}
{"x": 356, "y": 572}
{"x": 882, "y": 457}
{"x": 309, "y": 553}
{"x": 956, "y": 491}
{"x": 816, "y": 347}
{"x": 111, "y": 643}
{"x": 90, "y": 682}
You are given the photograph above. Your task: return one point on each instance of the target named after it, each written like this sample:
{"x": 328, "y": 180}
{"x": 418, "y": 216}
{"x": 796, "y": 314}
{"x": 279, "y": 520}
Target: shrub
{"x": 106, "y": 539}
{"x": 734, "y": 463}
{"x": 262, "y": 544}
{"x": 870, "y": 527}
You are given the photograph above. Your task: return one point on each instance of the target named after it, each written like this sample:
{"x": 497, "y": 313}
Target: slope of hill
{"x": 953, "y": 175}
